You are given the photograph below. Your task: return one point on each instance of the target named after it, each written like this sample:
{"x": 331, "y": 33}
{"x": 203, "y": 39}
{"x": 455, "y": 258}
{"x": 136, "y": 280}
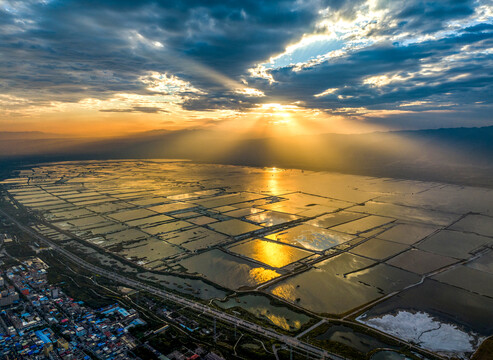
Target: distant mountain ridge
{"x": 13, "y": 135}
{"x": 460, "y": 155}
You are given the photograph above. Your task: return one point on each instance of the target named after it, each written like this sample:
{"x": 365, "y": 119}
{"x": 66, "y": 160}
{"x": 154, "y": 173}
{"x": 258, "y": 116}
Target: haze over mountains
{"x": 462, "y": 155}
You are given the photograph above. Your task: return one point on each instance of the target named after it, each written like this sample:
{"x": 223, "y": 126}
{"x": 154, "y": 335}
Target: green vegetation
{"x": 76, "y": 282}
{"x": 175, "y": 338}
{"x": 249, "y": 346}
{"x": 19, "y": 249}
{"x": 339, "y": 348}
{"x": 144, "y": 353}
{"x": 485, "y": 351}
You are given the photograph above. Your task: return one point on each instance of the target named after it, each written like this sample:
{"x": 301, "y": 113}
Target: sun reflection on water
{"x": 273, "y": 170}
{"x": 272, "y": 254}
{"x": 261, "y": 275}
{"x": 272, "y": 180}
{"x": 285, "y": 291}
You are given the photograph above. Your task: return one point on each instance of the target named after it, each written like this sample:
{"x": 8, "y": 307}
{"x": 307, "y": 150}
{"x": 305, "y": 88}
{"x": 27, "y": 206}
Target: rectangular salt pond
{"x": 426, "y": 331}
{"x": 85, "y": 196}
{"x": 108, "y": 228}
{"x": 303, "y": 201}
{"x": 202, "y": 220}
{"x": 340, "y": 294}
{"x": 188, "y": 214}
{"x": 407, "y": 213}
{"x": 227, "y": 199}
{"x": 31, "y": 199}
{"x": 222, "y": 209}
{"x": 484, "y": 263}
{"x": 420, "y": 262}
{"x": 234, "y": 227}
{"x": 108, "y": 207}
{"x": 46, "y": 204}
{"x": 149, "y": 221}
{"x": 269, "y": 252}
{"x": 150, "y": 201}
{"x": 379, "y": 249}
{"x": 255, "y": 203}
{"x": 385, "y": 278}
{"x": 284, "y": 206}
{"x": 125, "y": 236}
{"x": 227, "y": 270}
{"x": 333, "y": 219}
{"x": 131, "y": 214}
{"x": 68, "y": 214}
{"x": 168, "y": 227}
{"x": 467, "y": 310}
{"x": 455, "y": 244}
{"x": 407, "y": 233}
{"x": 261, "y": 307}
{"x": 93, "y": 201}
{"x": 448, "y": 198}
{"x": 183, "y": 196}
{"x": 479, "y": 224}
{"x": 194, "y": 239}
{"x": 310, "y": 237}
{"x": 130, "y": 195}
{"x": 271, "y": 218}
{"x": 166, "y": 208}
{"x": 194, "y": 287}
{"x": 468, "y": 278}
{"x": 363, "y": 225}
{"x": 90, "y": 221}
{"x": 56, "y": 207}
{"x": 239, "y": 213}
{"x": 204, "y": 242}
{"x": 148, "y": 250}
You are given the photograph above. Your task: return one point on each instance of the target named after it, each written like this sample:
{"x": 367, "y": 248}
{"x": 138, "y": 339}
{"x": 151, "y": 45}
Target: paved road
{"x": 288, "y": 340}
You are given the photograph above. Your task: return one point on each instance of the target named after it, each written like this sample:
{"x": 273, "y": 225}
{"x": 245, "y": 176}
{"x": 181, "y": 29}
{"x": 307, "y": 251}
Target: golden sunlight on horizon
{"x": 126, "y": 115}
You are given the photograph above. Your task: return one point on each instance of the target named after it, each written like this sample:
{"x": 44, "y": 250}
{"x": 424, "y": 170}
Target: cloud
{"x": 327, "y": 92}
{"x": 250, "y": 92}
{"x": 328, "y": 55}
{"x": 143, "y": 109}
{"x": 456, "y": 69}
{"x": 168, "y": 84}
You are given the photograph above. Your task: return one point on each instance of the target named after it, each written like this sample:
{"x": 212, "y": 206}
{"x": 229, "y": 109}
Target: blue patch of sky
{"x": 305, "y": 53}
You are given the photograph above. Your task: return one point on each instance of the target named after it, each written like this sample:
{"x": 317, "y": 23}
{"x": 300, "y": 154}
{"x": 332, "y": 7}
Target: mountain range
{"x": 457, "y": 155}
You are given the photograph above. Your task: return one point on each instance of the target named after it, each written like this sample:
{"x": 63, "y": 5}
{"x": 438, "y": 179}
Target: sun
{"x": 273, "y": 170}
{"x": 278, "y": 114}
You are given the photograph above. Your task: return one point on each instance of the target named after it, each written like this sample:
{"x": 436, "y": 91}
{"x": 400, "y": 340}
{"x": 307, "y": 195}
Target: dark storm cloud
{"x": 92, "y": 47}
{"x": 70, "y": 50}
{"x": 430, "y": 16}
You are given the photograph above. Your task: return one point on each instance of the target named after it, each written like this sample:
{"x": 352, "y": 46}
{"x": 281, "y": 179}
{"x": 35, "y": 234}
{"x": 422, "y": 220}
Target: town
{"x": 39, "y": 321}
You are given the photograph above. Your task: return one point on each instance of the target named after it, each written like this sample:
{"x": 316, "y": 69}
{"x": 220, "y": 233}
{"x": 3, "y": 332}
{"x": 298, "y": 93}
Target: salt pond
{"x": 326, "y": 242}
{"x": 261, "y": 307}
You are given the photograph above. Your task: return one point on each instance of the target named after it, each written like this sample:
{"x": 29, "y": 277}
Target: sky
{"x": 264, "y": 68}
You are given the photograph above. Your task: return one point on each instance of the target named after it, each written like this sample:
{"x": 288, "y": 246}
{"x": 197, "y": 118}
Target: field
{"x": 327, "y": 244}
